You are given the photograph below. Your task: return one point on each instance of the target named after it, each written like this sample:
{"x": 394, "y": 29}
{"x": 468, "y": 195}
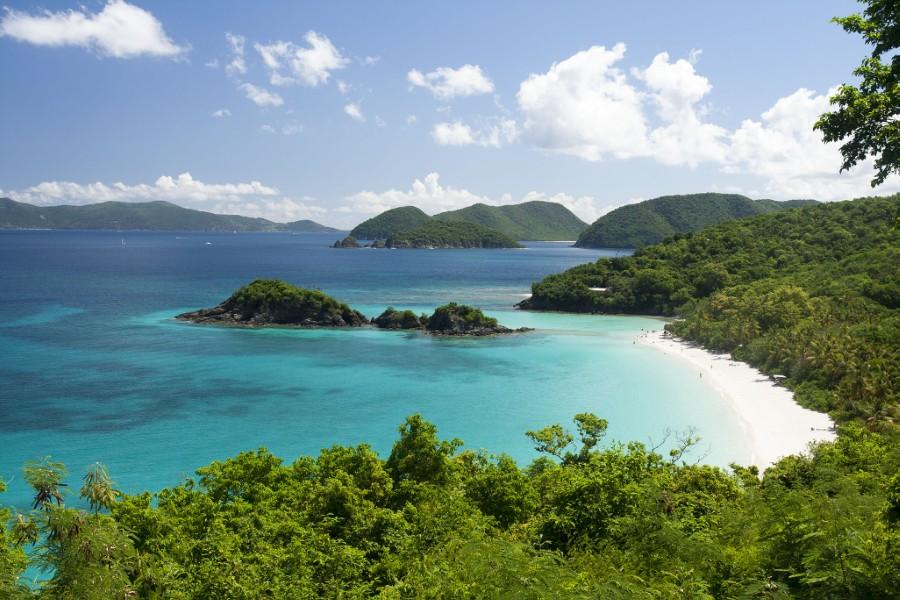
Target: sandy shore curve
{"x": 774, "y": 424}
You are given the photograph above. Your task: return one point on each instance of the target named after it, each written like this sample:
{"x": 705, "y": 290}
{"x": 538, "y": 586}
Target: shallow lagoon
{"x": 92, "y": 367}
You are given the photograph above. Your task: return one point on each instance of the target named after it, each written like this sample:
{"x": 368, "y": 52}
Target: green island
{"x": 271, "y": 302}
{"x": 652, "y": 221}
{"x": 384, "y": 225}
{"x": 810, "y": 294}
{"x": 441, "y": 234}
{"x": 536, "y": 220}
{"x": 147, "y": 216}
{"x": 450, "y": 319}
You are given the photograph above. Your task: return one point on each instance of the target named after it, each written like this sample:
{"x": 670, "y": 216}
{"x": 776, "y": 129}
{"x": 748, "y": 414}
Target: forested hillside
{"x": 526, "y": 221}
{"x": 652, "y": 221}
{"x": 812, "y": 294}
{"x": 152, "y": 216}
{"x": 395, "y": 220}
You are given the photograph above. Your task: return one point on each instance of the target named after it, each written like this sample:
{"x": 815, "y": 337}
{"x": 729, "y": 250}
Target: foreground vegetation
{"x": 812, "y": 294}
{"x": 588, "y": 519}
{"x": 652, "y": 221}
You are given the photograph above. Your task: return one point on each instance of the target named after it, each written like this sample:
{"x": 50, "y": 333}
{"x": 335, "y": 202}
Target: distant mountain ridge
{"x": 652, "y": 221}
{"x": 151, "y": 216}
{"x": 536, "y": 220}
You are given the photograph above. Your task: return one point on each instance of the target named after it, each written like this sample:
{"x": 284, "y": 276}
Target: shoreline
{"x": 774, "y": 424}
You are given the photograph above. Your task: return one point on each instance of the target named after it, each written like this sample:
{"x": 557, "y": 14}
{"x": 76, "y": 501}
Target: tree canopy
{"x": 868, "y": 114}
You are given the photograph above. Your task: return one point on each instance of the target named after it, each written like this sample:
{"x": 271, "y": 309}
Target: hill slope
{"x": 390, "y": 222}
{"x": 449, "y": 234}
{"x": 162, "y": 216}
{"x": 526, "y": 221}
{"x": 812, "y": 294}
{"x": 652, "y": 221}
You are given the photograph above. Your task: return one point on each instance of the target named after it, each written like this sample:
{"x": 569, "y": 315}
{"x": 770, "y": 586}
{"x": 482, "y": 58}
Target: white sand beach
{"x": 774, "y": 424}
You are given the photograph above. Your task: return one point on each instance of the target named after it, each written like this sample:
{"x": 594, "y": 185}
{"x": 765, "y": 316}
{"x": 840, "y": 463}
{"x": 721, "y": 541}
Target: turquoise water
{"x": 94, "y": 368}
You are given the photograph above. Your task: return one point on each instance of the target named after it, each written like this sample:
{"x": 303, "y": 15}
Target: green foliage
{"x": 447, "y": 234}
{"x": 281, "y": 302}
{"x": 535, "y": 220}
{"x": 392, "y": 318}
{"x": 810, "y": 294}
{"x": 607, "y": 521}
{"x": 157, "y": 216}
{"x": 459, "y": 317}
{"x": 386, "y": 224}
{"x": 652, "y": 221}
{"x": 867, "y": 115}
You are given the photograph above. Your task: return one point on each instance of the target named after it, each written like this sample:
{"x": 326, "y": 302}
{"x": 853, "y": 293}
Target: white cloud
{"x": 310, "y": 65}
{"x": 251, "y": 199}
{"x": 261, "y": 96}
{"x": 584, "y": 106}
{"x": 343, "y": 87}
{"x": 355, "y": 112}
{"x": 120, "y": 30}
{"x": 683, "y": 138}
{"x": 238, "y": 64}
{"x": 494, "y": 134}
{"x": 784, "y": 150}
{"x": 221, "y": 113}
{"x": 371, "y": 60}
{"x": 446, "y": 83}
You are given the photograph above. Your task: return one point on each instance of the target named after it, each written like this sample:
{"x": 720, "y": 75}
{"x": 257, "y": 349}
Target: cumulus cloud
{"x": 784, "y": 150}
{"x": 252, "y": 199}
{"x": 355, "y": 112}
{"x": 310, "y": 65}
{"x": 120, "y": 30}
{"x": 238, "y": 63}
{"x": 676, "y": 90}
{"x": 493, "y": 135}
{"x": 584, "y": 106}
{"x": 446, "y": 83}
{"x": 260, "y": 96}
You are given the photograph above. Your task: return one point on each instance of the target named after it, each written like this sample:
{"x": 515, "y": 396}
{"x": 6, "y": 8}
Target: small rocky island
{"x": 347, "y": 242}
{"x": 271, "y": 302}
{"x": 450, "y": 319}
{"x": 275, "y": 303}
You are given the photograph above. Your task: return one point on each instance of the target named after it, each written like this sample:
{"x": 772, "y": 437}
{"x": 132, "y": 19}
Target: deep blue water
{"x": 93, "y": 368}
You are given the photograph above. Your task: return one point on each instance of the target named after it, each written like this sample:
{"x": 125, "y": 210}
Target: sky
{"x": 336, "y": 111}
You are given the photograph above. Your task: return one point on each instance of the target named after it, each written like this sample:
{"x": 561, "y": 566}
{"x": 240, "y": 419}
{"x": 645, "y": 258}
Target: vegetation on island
{"x": 536, "y": 220}
{"x": 443, "y": 234}
{"x": 652, "y": 221}
{"x": 449, "y": 319}
{"x": 392, "y": 318}
{"x": 386, "y": 224}
{"x": 150, "y": 216}
{"x": 587, "y": 519}
{"x": 347, "y": 242}
{"x": 812, "y": 294}
{"x": 275, "y": 302}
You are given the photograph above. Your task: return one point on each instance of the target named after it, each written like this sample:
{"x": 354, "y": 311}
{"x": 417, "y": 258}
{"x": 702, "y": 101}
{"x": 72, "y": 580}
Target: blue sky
{"x": 374, "y": 105}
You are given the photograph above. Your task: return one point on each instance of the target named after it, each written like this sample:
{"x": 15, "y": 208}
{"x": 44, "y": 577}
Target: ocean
{"x": 94, "y": 368}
